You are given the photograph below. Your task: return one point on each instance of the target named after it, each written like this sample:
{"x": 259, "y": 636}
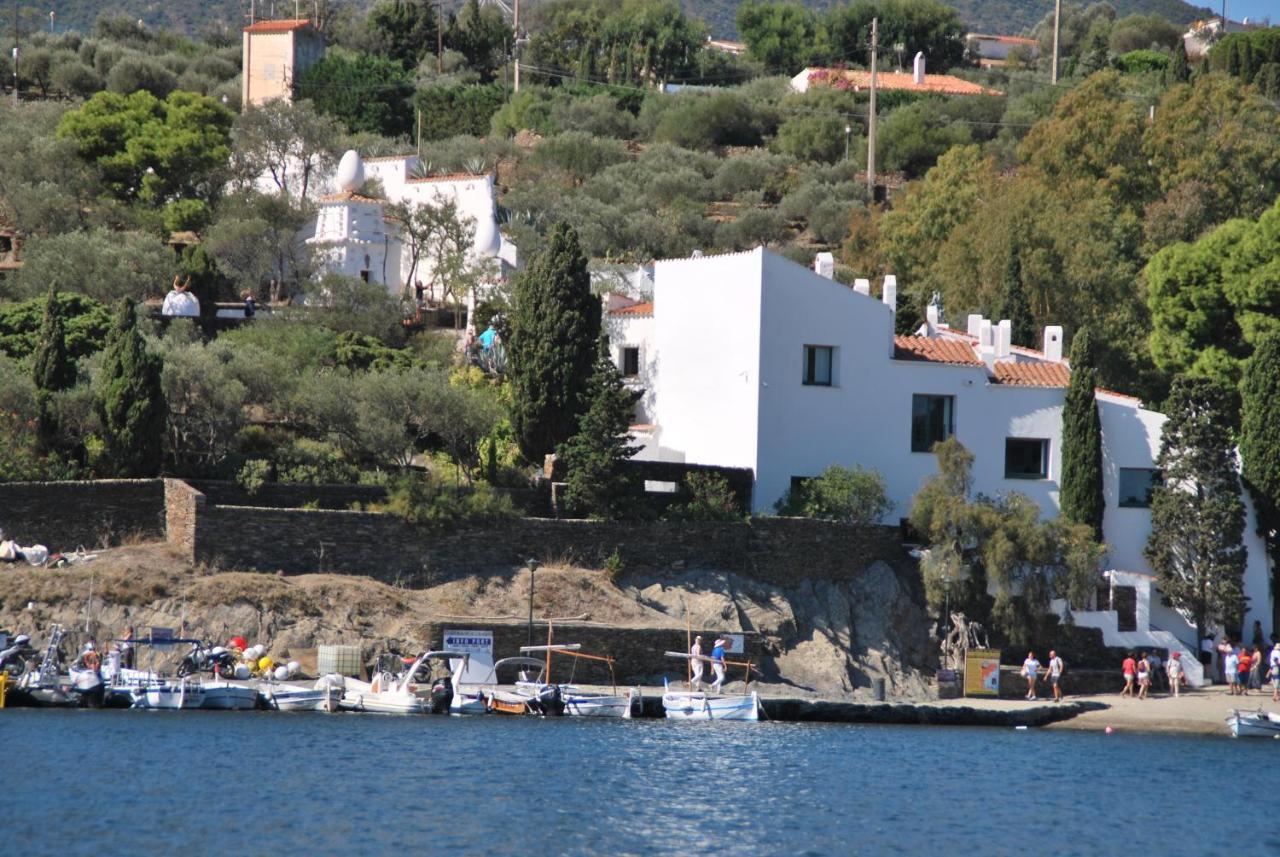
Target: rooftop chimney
{"x": 1053, "y": 343}
{"x": 931, "y": 316}
{"x": 862, "y": 286}
{"x": 890, "y": 292}
{"x": 975, "y": 323}
{"x": 824, "y": 264}
{"x": 918, "y": 70}
{"x": 1004, "y": 338}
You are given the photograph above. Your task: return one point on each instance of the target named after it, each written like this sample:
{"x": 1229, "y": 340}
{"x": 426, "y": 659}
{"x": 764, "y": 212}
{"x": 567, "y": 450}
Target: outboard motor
{"x": 441, "y": 696}
{"x": 13, "y": 659}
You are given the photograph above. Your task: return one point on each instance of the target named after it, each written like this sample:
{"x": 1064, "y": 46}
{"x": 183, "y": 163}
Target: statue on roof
{"x": 936, "y": 303}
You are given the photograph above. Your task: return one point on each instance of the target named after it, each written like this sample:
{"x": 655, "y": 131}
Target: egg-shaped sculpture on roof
{"x": 488, "y": 240}
{"x": 350, "y": 171}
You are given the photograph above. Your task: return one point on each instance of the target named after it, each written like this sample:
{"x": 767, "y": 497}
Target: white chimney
{"x": 931, "y": 316}
{"x": 890, "y": 292}
{"x": 824, "y": 264}
{"x": 1004, "y": 338}
{"x": 1053, "y": 343}
{"x": 918, "y": 71}
{"x": 975, "y": 323}
{"x": 862, "y": 286}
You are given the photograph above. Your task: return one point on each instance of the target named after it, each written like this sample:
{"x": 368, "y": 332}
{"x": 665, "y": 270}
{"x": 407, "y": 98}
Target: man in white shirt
{"x": 1055, "y": 675}
{"x": 1030, "y": 669}
{"x": 1274, "y": 666}
{"x": 696, "y": 664}
{"x": 1231, "y": 666}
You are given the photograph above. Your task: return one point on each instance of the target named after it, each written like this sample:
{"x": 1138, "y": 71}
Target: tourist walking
{"x": 1144, "y": 675}
{"x": 717, "y": 663}
{"x": 1274, "y": 673}
{"x": 1173, "y": 668}
{"x": 1231, "y": 670}
{"x": 696, "y": 664}
{"x": 1157, "y": 671}
{"x": 1030, "y": 669}
{"x": 1242, "y": 670}
{"x": 1055, "y": 675}
{"x": 1255, "y": 668}
{"x": 1130, "y": 668}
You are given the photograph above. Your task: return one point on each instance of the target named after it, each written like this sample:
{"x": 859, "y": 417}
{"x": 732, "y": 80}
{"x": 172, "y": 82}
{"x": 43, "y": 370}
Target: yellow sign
{"x": 982, "y": 672}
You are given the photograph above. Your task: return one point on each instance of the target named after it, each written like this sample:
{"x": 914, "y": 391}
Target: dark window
{"x": 364, "y": 275}
{"x": 1136, "y": 485}
{"x": 932, "y": 421}
{"x": 1025, "y": 458}
{"x": 630, "y": 362}
{"x": 817, "y": 365}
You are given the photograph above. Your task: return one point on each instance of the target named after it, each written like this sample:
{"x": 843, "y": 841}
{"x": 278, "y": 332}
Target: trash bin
{"x": 877, "y": 689}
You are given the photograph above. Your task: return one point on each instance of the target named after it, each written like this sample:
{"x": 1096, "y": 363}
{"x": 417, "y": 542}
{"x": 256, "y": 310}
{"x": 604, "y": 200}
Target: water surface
{"x": 108, "y": 782}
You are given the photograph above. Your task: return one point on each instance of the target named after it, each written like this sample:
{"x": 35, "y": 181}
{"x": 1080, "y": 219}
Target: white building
{"x": 352, "y": 236}
{"x": 754, "y": 361}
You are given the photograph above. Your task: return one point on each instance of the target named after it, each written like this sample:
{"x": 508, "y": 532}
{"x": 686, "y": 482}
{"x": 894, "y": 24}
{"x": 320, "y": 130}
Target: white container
{"x": 343, "y": 660}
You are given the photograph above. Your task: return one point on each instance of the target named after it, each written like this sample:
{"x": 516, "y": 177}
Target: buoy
{"x": 282, "y": 673}
{"x": 242, "y": 671}
{"x": 265, "y": 664}
{"x": 1110, "y": 730}
{"x": 294, "y": 667}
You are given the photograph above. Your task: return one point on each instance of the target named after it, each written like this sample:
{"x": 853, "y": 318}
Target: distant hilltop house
{"x": 752, "y": 361}
{"x": 992, "y": 51}
{"x": 353, "y": 235}
{"x": 1202, "y": 35}
{"x": 273, "y": 54}
{"x": 858, "y": 80}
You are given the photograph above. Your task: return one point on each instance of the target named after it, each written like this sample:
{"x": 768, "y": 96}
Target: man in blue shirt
{"x": 717, "y": 663}
{"x": 487, "y": 338}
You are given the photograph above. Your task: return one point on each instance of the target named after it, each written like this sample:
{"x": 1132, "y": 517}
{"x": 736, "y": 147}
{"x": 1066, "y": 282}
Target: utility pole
{"x": 1057, "y": 18}
{"x": 515, "y": 48}
{"x": 871, "y": 116}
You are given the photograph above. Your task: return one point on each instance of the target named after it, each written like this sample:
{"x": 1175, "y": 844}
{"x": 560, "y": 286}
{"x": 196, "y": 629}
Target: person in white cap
{"x": 717, "y": 663}
{"x": 696, "y": 664}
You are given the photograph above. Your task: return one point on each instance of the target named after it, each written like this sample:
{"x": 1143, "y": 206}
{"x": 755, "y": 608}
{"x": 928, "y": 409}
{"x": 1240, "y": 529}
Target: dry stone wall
{"x": 65, "y": 515}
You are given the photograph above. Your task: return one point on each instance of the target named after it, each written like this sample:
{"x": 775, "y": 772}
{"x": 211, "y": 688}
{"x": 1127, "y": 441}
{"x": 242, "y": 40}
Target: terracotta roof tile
{"x": 645, "y": 308}
{"x": 349, "y": 196}
{"x": 929, "y": 350}
{"x": 448, "y": 177}
{"x": 943, "y": 84}
{"x": 1032, "y": 374}
{"x": 282, "y": 26}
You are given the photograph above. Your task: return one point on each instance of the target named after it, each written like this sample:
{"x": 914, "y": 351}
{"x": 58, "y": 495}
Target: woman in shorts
{"x": 1144, "y": 675}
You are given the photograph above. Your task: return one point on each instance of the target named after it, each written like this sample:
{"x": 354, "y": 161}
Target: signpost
{"x": 982, "y": 672}
{"x": 477, "y": 644}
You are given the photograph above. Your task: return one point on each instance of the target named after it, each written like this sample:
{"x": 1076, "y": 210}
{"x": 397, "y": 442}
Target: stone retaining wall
{"x": 64, "y": 515}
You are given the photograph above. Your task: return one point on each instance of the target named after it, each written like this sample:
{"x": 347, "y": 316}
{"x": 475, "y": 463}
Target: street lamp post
{"x": 532, "y": 565}
{"x": 848, "y": 129}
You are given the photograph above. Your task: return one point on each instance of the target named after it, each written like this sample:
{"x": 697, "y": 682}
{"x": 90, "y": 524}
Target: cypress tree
{"x": 552, "y": 352}
{"x": 1012, "y": 302}
{"x": 1197, "y": 515}
{"x": 1081, "y": 490}
{"x": 597, "y": 483}
{"x": 1233, "y": 58}
{"x": 53, "y": 369}
{"x": 1246, "y": 60}
{"x": 1260, "y": 434}
{"x": 130, "y": 400}
{"x": 1180, "y": 68}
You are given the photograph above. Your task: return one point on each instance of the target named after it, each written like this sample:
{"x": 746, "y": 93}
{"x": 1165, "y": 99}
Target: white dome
{"x": 488, "y": 241}
{"x": 350, "y": 171}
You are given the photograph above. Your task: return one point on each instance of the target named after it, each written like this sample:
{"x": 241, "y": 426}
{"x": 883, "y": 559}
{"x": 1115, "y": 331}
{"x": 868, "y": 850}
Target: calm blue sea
{"x": 115, "y": 782}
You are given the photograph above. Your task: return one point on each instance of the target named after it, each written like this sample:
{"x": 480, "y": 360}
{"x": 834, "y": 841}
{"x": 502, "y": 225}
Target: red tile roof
{"x": 349, "y": 196}
{"x": 1032, "y": 374}
{"x": 283, "y": 26}
{"x": 943, "y": 84}
{"x": 448, "y": 177}
{"x": 926, "y": 349}
{"x": 645, "y": 308}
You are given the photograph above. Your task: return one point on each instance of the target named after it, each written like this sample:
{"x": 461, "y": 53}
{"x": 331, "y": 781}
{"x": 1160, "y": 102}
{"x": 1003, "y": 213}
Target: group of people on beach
{"x": 1246, "y": 669}
{"x": 1053, "y": 671}
{"x": 1143, "y": 671}
{"x": 697, "y": 660}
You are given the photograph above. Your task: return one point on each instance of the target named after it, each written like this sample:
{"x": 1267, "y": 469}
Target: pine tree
{"x": 1260, "y": 433}
{"x": 130, "y": 400}
{"x": 1012, "y": 302}
{"x": 1180, "y": 68}
{"x": 597, "y": 483}
{"x": 1081, "y": 494}
{"x": 53, "y": 369}
{"x": 552, "y": 352}
{"x": 1196, "y": 544}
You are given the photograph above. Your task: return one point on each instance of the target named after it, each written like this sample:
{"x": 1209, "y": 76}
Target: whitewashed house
{"x": 754, "y": 361}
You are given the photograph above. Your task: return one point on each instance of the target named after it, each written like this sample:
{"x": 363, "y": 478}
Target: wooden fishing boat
{"x": 1254, "y": 724}
{"x": 703, "y": 705}
{"x": 577, "y": 702}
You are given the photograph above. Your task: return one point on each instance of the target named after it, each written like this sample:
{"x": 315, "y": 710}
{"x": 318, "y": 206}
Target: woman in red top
{"x": 1130, "y": 668}
{"x": 1245, "y": 662}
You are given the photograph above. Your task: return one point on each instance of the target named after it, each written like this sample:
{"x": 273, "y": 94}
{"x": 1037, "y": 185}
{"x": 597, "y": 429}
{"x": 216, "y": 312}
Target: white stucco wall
{"x": 635, "y": 331}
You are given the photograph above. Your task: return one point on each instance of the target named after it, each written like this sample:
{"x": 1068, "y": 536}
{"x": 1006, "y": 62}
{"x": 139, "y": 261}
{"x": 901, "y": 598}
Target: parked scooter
{"x": 217, "y": 660}
{"x": 14, "y": 659}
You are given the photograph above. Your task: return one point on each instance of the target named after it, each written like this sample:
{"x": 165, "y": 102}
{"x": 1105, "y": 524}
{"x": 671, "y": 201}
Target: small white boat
{"x": 576, "y": 702}
{"x": 385, "y": 694}
{"x": 324, "y": 696}
{"x": 1254, "y": 724}
{"x": 226, "y": 696}
{"x": 182, "y": 693}
{"x": 466, "y": 700}
{"x": 700, "y": 705}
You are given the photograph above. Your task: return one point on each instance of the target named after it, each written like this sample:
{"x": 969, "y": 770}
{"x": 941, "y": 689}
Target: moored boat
{"x": 1254, "y": 724}
{"x": 229, "y": 696}
{"x": 577, "y": 702}
{"x": 699, "y": 704}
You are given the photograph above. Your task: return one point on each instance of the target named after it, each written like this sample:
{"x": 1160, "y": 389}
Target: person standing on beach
{"x": 717, "y": 663}
{"x": 1231, "y": 670}
{"x": 1242, "y": 671}
{"x": 1055, "y": 675}
{"x": 1031, "y": 668}
{"x": 1155, "y": 664}
{"x": 696, "y": 664}
{"x": 1130, "y": 668}
{"x": 1173, "y": 667}
{"x": 1144, "y": 675}
{"x": 1274, "y": 673}
{"x": 1255, "y": 668}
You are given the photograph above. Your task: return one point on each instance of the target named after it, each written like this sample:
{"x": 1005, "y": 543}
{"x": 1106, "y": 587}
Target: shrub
{"x": 579, "y": 154}
{"x": 815, "y": 138}
{"x": 704, "y": 121}
{"x": 1137, "y": 62}
{"x": 598, "y": 115}
{"x": 710, "y": 499}
{"x": 852, "y": 495}
{"x": 448, "y": 111}
{"x": 424, "y": 500}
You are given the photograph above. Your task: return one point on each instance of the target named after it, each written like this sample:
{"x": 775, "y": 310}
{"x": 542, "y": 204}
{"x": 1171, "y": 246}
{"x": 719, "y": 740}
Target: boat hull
{"x": 625, "y": 705}
{"x": 709, "y": 706}
{"x": 304, "y": 699}
{"x": 1254, "y": 724}
{"x": 229, "y": 697}
{"x": 169, "y": 697}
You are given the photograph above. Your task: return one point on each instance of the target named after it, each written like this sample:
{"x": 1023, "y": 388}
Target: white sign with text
{"x": 477, "y": 644}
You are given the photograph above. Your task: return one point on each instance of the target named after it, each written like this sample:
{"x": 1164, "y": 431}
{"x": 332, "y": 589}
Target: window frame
{"x": 1154, "y": 477}
{"x": 810, "y": 365}
{"x": 948, "y": 420}
{"x": 1043, "y": 444}
{"x": 629, "y": 351}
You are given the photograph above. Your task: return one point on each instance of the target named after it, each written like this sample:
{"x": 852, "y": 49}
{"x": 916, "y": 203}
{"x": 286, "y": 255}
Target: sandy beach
{"x": 1198, "y": 711}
